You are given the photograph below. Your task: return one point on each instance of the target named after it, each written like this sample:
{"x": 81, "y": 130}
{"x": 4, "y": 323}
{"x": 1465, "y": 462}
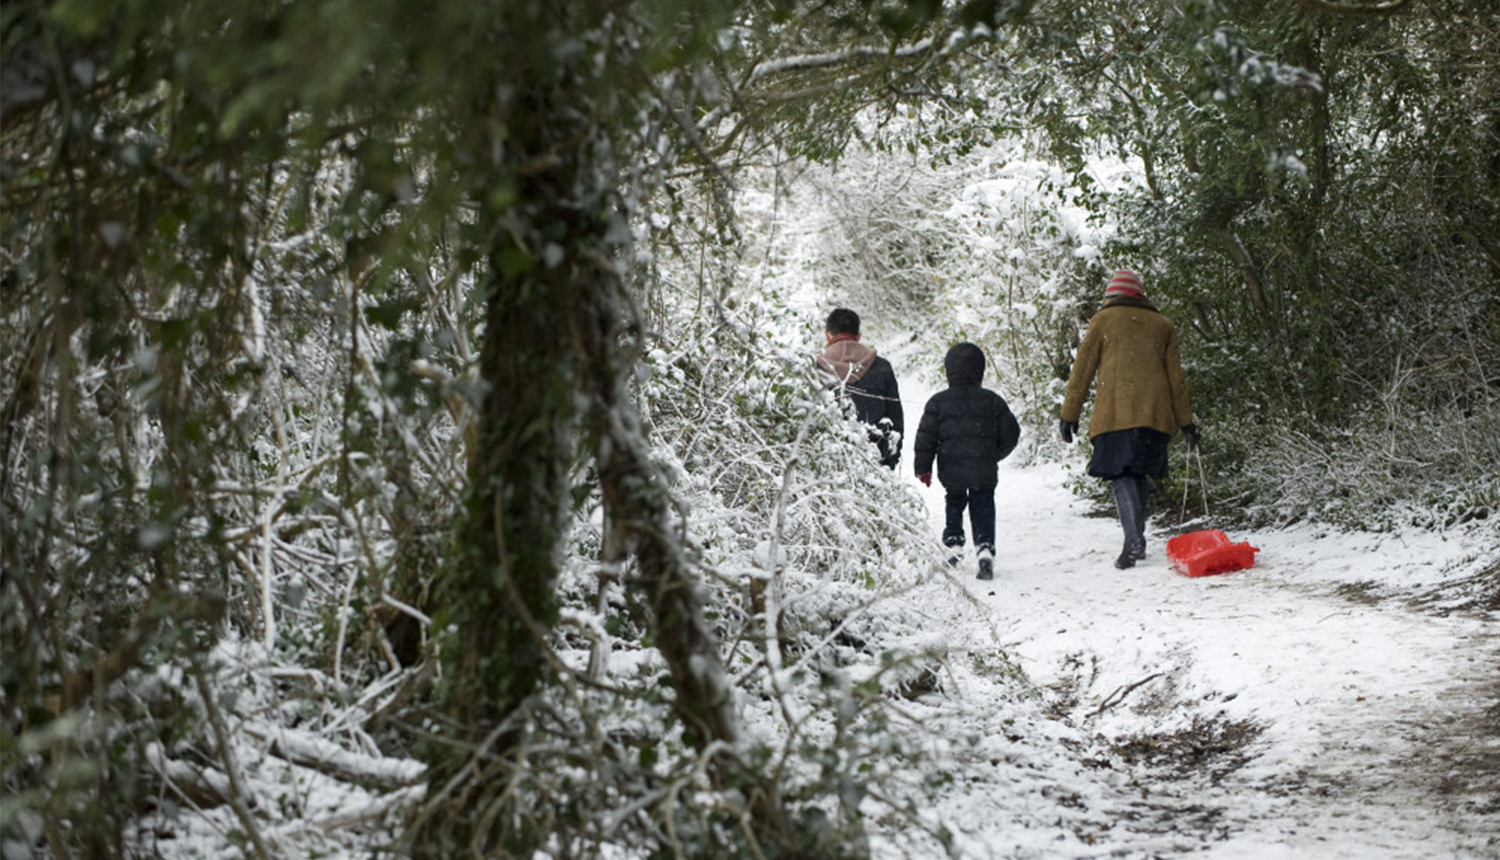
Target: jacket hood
{"x": 849, "y": 360}
{"x": 964, "y": 364}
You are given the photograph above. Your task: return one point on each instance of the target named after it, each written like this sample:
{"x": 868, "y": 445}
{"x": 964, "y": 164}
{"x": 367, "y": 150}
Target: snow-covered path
{"x": 1309, "y": 707}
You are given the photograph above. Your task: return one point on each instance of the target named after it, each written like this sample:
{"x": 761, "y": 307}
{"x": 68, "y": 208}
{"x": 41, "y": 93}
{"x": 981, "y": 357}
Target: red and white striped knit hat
{"x": 1125, "y": 283}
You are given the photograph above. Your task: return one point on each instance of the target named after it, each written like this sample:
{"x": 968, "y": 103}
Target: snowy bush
{"x": 810, "y": 553}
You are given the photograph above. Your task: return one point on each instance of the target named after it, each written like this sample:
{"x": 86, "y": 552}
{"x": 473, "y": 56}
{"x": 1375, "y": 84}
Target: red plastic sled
{"x": 1209, "y": 552}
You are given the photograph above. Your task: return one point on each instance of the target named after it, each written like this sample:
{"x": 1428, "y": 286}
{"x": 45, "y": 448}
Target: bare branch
{"x": 237, "y": 796}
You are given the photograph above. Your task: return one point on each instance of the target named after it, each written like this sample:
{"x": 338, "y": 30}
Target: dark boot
{"x": 1132, "y": 521}
{"x": 986, "y": 562}
{"x": 1143, "y": 496}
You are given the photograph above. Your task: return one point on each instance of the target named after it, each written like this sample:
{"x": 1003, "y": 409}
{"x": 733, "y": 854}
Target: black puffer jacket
{"x": 969, "y": 429}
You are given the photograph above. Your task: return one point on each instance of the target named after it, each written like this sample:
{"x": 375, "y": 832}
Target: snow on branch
{"x": 761, "y": 72}
{"x": 832, "y": 58}
{"x": 1385, "y": 8}
{"x": 327, "y": 757}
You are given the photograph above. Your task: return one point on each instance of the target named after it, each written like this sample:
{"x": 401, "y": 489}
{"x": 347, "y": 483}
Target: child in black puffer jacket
{"x": 969, "y": 429}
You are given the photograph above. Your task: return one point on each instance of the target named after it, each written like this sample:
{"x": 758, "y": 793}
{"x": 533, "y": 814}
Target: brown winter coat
{"x": 1134, "y": 352}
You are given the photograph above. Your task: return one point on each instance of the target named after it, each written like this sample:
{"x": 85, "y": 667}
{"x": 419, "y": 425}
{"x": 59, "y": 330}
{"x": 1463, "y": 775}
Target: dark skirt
{"x": 1139, "y": 452}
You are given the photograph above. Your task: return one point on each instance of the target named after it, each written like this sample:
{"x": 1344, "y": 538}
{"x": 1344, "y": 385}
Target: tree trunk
{"x": 551, "y": 354}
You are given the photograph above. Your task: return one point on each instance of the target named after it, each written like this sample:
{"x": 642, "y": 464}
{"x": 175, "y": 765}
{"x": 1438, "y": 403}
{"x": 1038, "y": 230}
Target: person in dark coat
{"x": 868, "y": 380}
{"x": 968, "y": 429}
{"x": 1140, "y": 401}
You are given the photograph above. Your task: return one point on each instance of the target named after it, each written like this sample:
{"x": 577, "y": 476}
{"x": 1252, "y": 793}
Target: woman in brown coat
{"x": 1140, "y": 402}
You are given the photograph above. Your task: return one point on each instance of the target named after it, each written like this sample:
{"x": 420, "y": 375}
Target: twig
{"x": 231, "y": 767}
{"x": 1120, "y": 693}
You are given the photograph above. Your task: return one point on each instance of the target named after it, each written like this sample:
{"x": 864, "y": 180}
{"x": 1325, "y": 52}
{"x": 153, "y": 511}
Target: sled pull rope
{"x": 1202, "y": 483}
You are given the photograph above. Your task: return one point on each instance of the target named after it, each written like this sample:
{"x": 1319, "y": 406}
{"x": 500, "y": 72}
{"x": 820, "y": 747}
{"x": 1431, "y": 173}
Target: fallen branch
{"x": 198, "y": 786}
{"x": 351, "y": 817}
{"x": 1120, "y": 693}
{"x": 330, "y": 759}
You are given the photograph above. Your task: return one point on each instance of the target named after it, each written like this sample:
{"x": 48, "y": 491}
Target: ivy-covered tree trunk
{"x": 543, "y": 149}
{"x": 533, "y": 167}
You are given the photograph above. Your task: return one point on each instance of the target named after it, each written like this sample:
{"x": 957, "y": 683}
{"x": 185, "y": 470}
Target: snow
{"x": 1365, "y": 692}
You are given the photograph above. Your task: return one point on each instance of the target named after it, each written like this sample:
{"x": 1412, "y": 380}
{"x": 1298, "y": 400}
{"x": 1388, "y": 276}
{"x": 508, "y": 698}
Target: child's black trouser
{"x": 981, "y": 504}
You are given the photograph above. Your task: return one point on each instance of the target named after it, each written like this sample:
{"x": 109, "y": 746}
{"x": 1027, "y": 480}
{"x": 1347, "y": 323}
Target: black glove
{"x": 1067, "y": 429}
{"x": 1193, "y": 436}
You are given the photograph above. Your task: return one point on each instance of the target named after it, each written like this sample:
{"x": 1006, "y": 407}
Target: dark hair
{"x": 842, "y": 321}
